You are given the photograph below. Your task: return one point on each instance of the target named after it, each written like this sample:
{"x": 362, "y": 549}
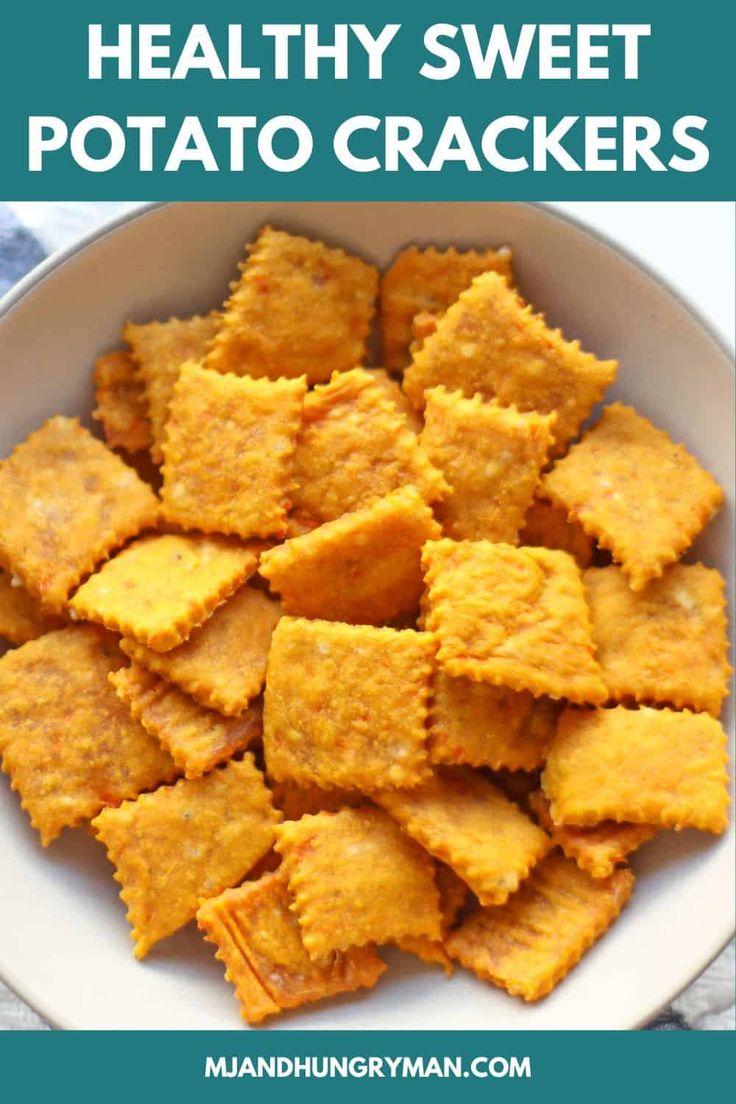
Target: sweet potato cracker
{"x": 534, "y": 940}
{"x": 392, "y": 390}
{"x": 258, "y": 939}
{"x": 428, "y": 280}
{"x": 665, "y": 644}
{"x": 465, "y": 821}
{"x": 298, "y": 309}
{"x": 514, "y": 617}
{"x": 296, "y": 801}
{"x": 354, "y": 447}
{"x": 228, "y": 452}
{"x": 491, "y": 456}
{"x": 363, "y": 567}
{"x": 346, "y": 705}
{"x": 184, "y": 843}
{"x": 640, "y": 495}
{"x": 489, "y": 343}
{"x": 22, "y": 617}
{"x": 121, "y": 405}
{"x": 69, "y": 746}
{"x": 647, "y": 766}
{"x": 66, "y": 502}
{"x": 547, "y": 525}
{"x": 161, "y": 587}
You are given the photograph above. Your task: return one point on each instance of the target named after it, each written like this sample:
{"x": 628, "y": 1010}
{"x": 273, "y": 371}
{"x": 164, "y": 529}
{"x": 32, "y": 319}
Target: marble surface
{"x": 702, "y": 273}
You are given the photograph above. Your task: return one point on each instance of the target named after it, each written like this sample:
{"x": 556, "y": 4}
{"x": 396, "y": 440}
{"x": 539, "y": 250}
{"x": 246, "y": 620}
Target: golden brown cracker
{"x": 547, "y": 525}
{"x": 392, "y": 390}
{"x": 120, "y": 402}
{"x": 22, "y": 617}
{"x": 295, "y": 800}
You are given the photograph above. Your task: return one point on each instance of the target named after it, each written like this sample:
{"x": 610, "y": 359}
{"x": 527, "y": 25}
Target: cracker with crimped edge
{"x": 196, "y": 738}
{"x": 491, "y": 344}
{"x": 258, "y": 939}
{"x": 298, "y": 308}
{"x": 491, "y": 456}
{"x": 120, "y": 402}
{"x": 228, "y": 452}
{"x": 67, "y": 502}
{"x": 392, "y": 391}
{"x": 514, "y": 617}
{"x": 22, "y": 617}
{"x": 528, "y": 945}
{"x": 161, "y": 587}
{"x": 357, "y": 879}
{"x": 644, "y": 766}
{"x": 67, "y": 743}
{"x": 665, "y": 644}
{"x": 640, "y": 495}
{"x": 363, "y": 567}
{"x": 428, "y": 281}
{"x": 297, "y": 800}
{"x": 465, "y": 821}
{"x": 453, "y": 896}
{"x": 548, "y": 526}
{"x": 175, "y": 847}
{"x": 354, "y": 446}
{"x": 159, "y": 349}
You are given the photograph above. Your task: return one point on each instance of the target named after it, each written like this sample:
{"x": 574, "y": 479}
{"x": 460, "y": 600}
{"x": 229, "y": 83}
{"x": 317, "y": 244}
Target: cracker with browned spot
{"x": 548, "y": 526}
{"x": 346, "y": 705}
{"x": 174, "y": 848}
{"x": 67, "y": 743}
{"x": 66, "y": 502}
{"x": 634, "y": 490}
{"x": 646, "y": 766}
{"x": 120, "y": 402}
{"x": 22, "y": 617}
{"x": 514, "y": 617}
{"x": 529, "y": 944}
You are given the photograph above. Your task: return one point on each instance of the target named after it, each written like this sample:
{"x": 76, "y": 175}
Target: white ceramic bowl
{"x": 64, "y": 943}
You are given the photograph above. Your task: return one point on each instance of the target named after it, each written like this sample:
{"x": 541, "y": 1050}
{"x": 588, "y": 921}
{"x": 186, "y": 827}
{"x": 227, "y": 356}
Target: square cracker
{"x": 69, "y": 746}
{"x": 514, "y": 617}
{"x": 465, "y": 821}
{"x": 664, "y": 644}
{"x": 258, "y": 939}
{"x": 298, "y": 309}
{"x": 66, "y": 501}
{"x": 22, "y": 617}
{"x": 357, "y": 879}
{"x": 184, "y": 843}
{"x": 346, "y": 705}
{"x": 548, "y": 526}
{"x": 354, "y": 446}
{"x": 488, "y": 726}
{"x": 491, "y": 344}
{"x": 161, "y": 587}
{"x": 491, "y": 456}
{"x": 647, "y": 766}
{"x": 121, "y": 405}
{"x": 530, "y": 944}
{"x": 223, "y": 663}
{"x": 640, "y": 495}
{"x": 159, "y": 349}
{"x": 364, "y": 567}
{"x": 196, "y": 738}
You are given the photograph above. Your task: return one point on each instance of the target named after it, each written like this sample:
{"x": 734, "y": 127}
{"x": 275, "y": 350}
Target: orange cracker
{"x": 66, "y": 501}
{"x": 298, "y": 309}
{"x": 666, "y": 643}
{"x": 514, "y": 617}
{"x": 392, "y": 390}
{"x": 184, "y": 843}
{"x": 465, "y": 821}
{"x": 121, "y": 405}
{"x": 357, "y": 879}
{"x": 491, "y": 456}
{"x": 647, "y": 766}
{"x": 490, "y": 343}
{"x": 22, "y": 618}
{"x": 488, "y": 726}
{"x": 161, "y": 587}
{"x": 159, "y": 349}
{"x": 258, "y": 939}
{"x": 354, "y": 447}
{"x": 223, "y": 663}
{"x": 453, "y": 896}
{"x": 547, "y": 525}
{"x": 640, "y": 495}
{"x": 69, "y": 746}
{"x": 428, "y": 280}
{"x": 296, "y": 801}
{"x": 196, "y": 738}
{"x": 598, "y": 849}
{"x": 517, "y": 785}
{"x": 530, "y": 944}
{"x": 363, "y": 567}
{"x": 346, "y": 705}
{"x": 422, "y": 325}
{"x": 228, "y": 452}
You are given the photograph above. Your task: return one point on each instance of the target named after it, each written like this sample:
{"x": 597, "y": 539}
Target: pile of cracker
{"x": 336, "y": 657}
